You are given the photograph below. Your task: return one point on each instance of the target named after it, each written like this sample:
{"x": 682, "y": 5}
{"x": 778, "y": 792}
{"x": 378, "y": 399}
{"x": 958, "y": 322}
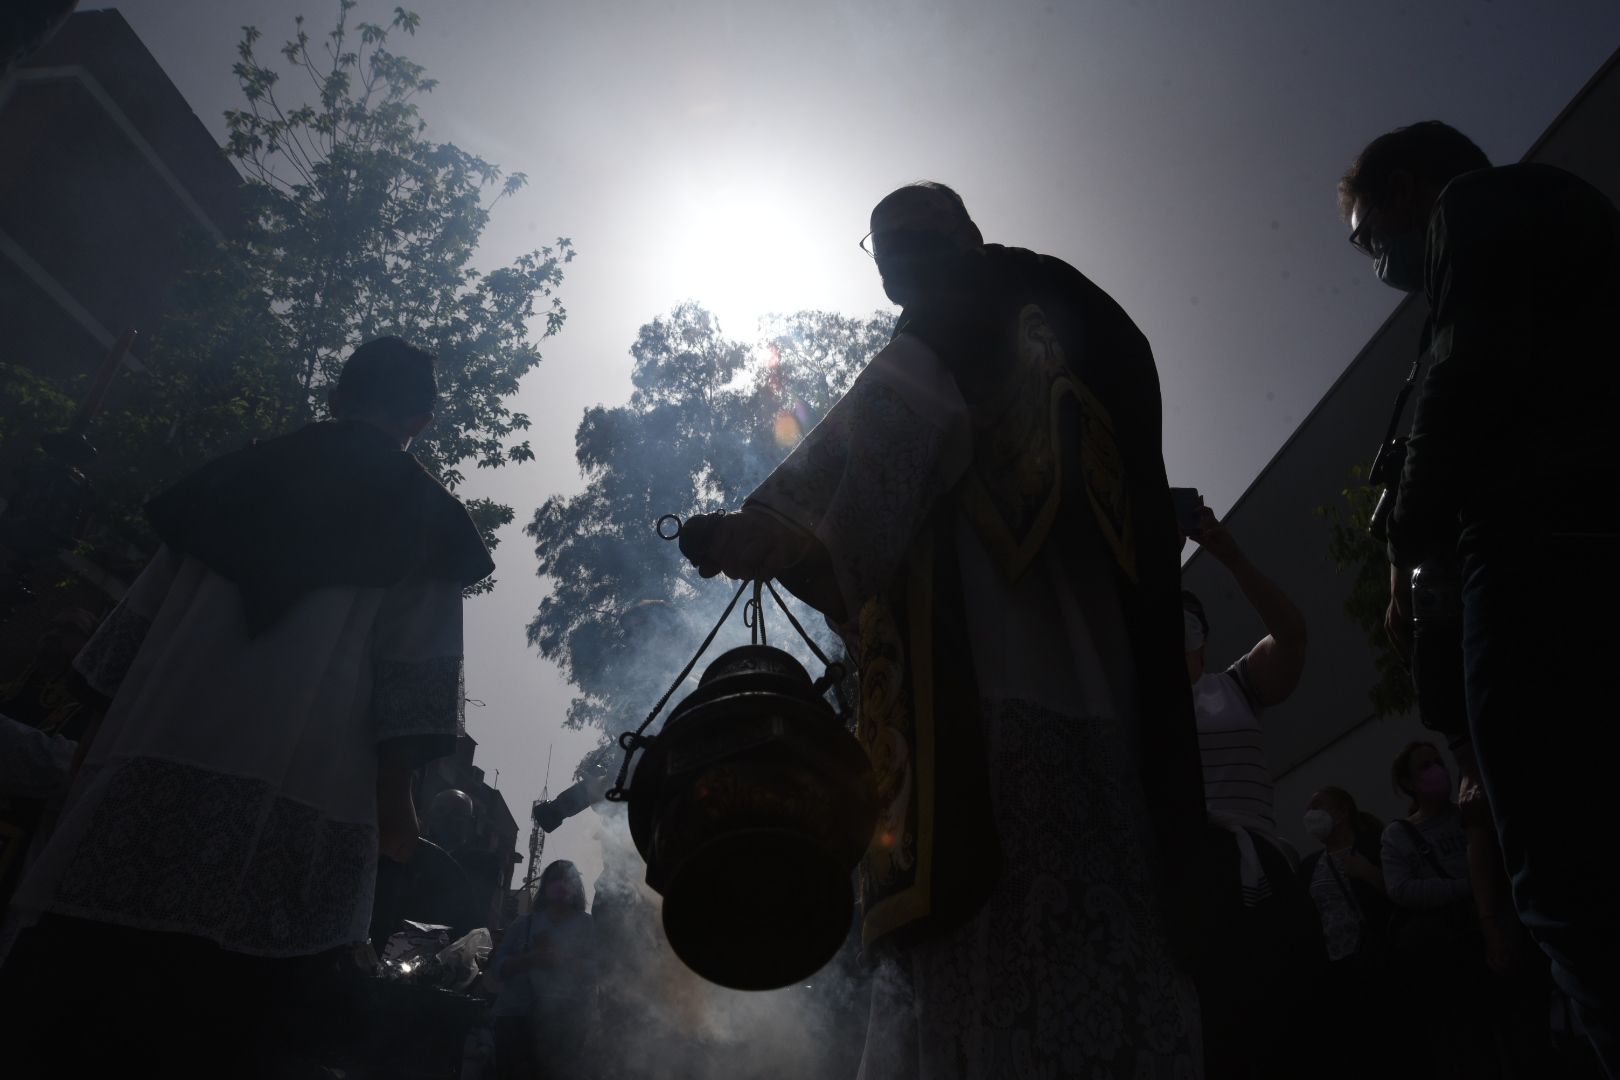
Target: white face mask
{"x": 1192, "y": 632}
{"x": 1319, "y": 823}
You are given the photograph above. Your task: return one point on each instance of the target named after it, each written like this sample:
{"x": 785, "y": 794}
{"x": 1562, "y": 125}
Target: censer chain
{"x": 630, "y": 741}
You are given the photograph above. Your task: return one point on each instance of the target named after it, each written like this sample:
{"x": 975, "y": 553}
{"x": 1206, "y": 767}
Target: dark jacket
{"x": 1514, "y": 439}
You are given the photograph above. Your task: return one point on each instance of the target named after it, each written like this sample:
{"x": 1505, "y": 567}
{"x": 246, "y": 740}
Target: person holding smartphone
{"x": 1267, "y": 954}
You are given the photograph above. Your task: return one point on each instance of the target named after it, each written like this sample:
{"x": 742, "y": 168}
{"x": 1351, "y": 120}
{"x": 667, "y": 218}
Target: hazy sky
{"x": 1182, "y": 154}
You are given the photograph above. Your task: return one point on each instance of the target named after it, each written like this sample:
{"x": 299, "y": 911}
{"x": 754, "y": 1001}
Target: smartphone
{"x": 1189, "y": 505}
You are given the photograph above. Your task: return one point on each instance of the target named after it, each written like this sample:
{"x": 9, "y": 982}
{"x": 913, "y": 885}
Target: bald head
{"x": 924, "y": 207}
{"x": 921, "y": 234}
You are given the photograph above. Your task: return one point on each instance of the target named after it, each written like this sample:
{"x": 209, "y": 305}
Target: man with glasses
{"x": 984, "y": 517}
{"x": 1513, "y": 469}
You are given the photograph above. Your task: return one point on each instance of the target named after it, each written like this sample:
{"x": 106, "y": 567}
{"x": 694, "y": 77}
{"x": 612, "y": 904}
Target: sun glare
{"x": 741, "y": 251}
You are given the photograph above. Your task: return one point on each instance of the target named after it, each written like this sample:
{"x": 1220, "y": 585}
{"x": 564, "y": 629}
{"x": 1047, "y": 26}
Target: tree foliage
{"x": 708, "y": 418}
{"x": 356, "y": 224}
{"x": 1354, "y": 551}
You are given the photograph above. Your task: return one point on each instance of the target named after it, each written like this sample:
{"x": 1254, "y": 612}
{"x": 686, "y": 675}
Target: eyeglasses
{"x": 1361, "y": 238}
{"x": 906, "y": 242}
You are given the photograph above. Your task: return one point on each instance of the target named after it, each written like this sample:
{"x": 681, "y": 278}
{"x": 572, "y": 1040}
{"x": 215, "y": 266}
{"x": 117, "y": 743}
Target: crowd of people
{"x": 1088, "y": 877}
{"x": 1404, "y": 933}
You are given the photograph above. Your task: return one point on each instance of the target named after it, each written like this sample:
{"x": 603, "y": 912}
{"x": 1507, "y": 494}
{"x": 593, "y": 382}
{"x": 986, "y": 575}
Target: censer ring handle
{"x": 659, "y": 526}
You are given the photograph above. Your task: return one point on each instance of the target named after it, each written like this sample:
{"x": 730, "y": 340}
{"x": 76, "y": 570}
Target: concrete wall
{"x": 1325, "y": 733}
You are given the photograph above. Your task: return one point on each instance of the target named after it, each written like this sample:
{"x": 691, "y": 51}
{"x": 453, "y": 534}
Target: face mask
{"x": 1319, "y": 824}
{"x": 1400, "y": 260}
{"x": 1434, "y": 780}
{"x": 1192, "y": 632}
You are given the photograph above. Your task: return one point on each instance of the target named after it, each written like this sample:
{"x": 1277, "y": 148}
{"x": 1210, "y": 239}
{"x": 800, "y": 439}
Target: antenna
{"x": 537, "y": 838}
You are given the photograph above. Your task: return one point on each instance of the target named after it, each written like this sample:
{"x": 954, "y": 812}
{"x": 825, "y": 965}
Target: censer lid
{"x": 757, "y": 660}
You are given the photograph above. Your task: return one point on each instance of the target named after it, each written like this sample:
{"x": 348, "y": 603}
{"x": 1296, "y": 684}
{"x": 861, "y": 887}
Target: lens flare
{"x": 787, "y": 430}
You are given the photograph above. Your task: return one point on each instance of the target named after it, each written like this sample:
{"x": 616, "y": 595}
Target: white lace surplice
{"x": 1066, "y": 971}
{"x": 231, "y": 792}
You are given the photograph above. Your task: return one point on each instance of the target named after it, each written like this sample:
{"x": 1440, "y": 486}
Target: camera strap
{"x": 1401, "y": 399}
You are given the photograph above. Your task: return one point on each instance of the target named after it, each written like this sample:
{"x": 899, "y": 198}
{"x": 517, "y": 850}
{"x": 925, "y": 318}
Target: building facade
{"x": 106, "y": 177}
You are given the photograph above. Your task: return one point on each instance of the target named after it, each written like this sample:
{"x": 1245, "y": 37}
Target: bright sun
{"x": 744, "y": 249}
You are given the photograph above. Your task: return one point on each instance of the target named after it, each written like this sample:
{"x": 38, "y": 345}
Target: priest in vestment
{"x": 985, "y": 520}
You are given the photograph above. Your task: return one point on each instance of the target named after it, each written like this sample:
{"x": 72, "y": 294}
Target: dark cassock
{"x": 997, "y": 547}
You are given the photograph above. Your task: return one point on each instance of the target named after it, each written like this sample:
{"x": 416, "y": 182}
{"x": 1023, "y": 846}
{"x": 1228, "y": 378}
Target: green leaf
{"x": 1355, "y": 553}
{"x": 356, "y": 223}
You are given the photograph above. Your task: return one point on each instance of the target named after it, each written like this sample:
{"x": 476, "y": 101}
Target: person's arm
{"x": 1277, "y": 661}
{"x": 417, "y": 697}
{"x": 1406, "y": 875}
{"x": 1367, "y": 871}
{"x": 1493, "y": 893}
{"x": 397, "y": 825}
{"x": 1398, "y": 614}
{"x": 511, "y": 959}
{"x": 1481, "y": 330}
{"x": 835, "y": 519}
{"x": 1493, "y": 900}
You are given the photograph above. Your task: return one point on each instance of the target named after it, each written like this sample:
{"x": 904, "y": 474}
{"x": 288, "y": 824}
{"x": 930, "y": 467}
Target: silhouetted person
{"x": 984, "y": 516}
{"x": 1265, "y": 954}
{"x": 1355, "y": 1028}
{"x": 436, "y": 885}
{"x": 547, "y": 964}
{"x": 49, "y": 715}
{"x": 282, "y": 665}
{"x": 1346, "y": 879}
{"x": 1512, "y": 470}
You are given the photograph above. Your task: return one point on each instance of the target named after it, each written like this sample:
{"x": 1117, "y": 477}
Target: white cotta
{"x": 1066, "y": 971}
{"x": 231, "y": 791}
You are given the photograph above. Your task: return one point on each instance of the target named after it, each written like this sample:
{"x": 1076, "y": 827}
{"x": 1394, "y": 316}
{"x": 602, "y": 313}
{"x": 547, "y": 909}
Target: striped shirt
{"x": 1237, "y": 782}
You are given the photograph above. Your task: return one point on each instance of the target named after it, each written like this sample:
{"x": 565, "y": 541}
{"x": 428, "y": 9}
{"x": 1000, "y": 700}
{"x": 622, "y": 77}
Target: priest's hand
{"x": 749, "y": 545}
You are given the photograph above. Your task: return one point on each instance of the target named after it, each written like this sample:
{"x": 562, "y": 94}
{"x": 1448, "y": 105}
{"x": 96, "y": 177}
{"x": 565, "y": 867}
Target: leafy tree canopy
{"x": 708, "y": 418}
{"x": 356, "y": 224}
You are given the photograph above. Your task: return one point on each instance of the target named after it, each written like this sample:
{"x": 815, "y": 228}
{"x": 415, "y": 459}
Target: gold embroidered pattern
{"x": 1014, "y": 489}
{"x": 896, "y": 726}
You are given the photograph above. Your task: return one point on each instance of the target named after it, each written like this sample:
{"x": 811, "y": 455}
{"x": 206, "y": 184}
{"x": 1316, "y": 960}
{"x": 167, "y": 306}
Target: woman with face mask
{"x": 1345, "y": 878}
{"x": 1425, "y": 854}
{"x": 547, "y": 968}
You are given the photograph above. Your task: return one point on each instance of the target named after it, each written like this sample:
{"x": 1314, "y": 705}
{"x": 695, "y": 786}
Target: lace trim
{"x": 111, "y": 652}
{"x": 179, "y": 848}
{"x": 873, "y": 476}
{"x": 418, "y": 697}
{"x": 1067, "y": 970}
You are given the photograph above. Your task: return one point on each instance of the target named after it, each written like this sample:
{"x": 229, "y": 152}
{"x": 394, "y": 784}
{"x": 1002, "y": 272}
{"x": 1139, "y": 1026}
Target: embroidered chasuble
{"x": 1000, "y": 559}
